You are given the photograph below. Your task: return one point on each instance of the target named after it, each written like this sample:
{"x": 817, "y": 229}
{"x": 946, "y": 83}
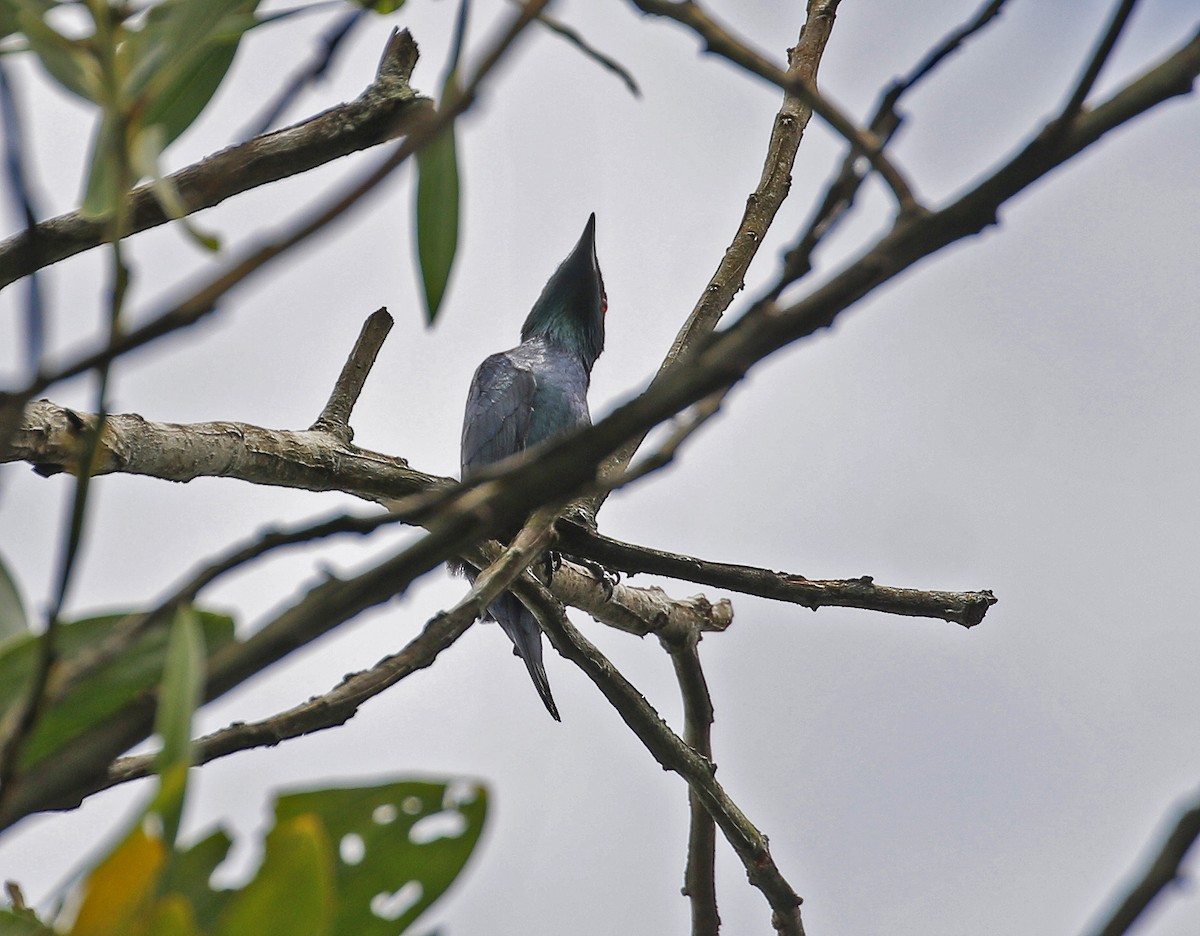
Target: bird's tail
{"x": 518, "y": 622}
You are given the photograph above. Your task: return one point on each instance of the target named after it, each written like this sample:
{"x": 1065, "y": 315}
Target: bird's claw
{"x": 552, "y": 562}
{"x": 608, "y": 580}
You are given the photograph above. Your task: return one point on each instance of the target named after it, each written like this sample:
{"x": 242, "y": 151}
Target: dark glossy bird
{"x": 535, "y": 392}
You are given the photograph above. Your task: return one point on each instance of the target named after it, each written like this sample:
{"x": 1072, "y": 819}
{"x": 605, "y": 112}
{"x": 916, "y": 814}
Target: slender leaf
{"x": 179, "y": 697}
{"x": 190, "y": 872}
{"x": 13, "y": 621}
{"x": 68, "y": 61}
{"x": 179, "y": 58}
{"x": 437, "y": 217}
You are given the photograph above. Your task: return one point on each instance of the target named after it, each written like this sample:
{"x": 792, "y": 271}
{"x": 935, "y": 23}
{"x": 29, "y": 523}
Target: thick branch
{"x": 50, "y": 437}
{"x": 385, "y": 110}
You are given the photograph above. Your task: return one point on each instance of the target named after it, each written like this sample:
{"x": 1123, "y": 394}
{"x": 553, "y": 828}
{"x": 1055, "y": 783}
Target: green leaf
{"x": 170, "y": 916}
{"x": 437, "y": 217}
{"x": 13, "y": 923}
{"x": 293, "y": 892}
{"x": 382, "y": 7}
{"x": 69, "y": 62}
{"x": 180, "y": 696}
{"x": 189, "y": 874}
{"x": 179, "y": 58}
{"x": 13, "y": 621}
{"x": 104, "y": 186}
{"x": 104, "y": 693}
{"x": 399, "y": 846}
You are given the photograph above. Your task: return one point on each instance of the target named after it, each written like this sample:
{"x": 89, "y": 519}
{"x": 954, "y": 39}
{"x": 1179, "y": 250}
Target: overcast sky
{"x": 1019, "y": 413}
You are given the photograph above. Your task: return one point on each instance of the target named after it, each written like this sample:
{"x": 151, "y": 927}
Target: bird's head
{"x": 571, "y": 308}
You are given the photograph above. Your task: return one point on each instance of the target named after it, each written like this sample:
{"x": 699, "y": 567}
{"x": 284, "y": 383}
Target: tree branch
{"x": 342, "y": 703}
{"x": 762, "y": 205}
{"x": 387, "y": 109}
{"x": 1103, "y": 50}
{"x": 1162, "y": 871}
{"x": 50, "y": 435}
{"x": 842, "y": 189}
{"x": 673, "y": 754}
{"x": 721, "y": 41}
{"x": 965, "y": 608}
{"x": 335, "y": 417}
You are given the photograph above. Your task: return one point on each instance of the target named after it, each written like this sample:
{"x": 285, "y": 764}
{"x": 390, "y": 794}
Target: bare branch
{"x": 335, "y": 417}
{"x": 762, "y": 205}
{"x": 700, "y": 874}
{"x": 312, "y": 460}
{"x": 673, "y": 754}
{"x": 342, "y": 703}
{"x": 1103, "y": 50}
{"x": 965, "y": 608}
{"x": 843, "y": 188}
{"x": 388, "y": 108}
{"x": 1162, "y": 871}
{"x": 721, "y": 41}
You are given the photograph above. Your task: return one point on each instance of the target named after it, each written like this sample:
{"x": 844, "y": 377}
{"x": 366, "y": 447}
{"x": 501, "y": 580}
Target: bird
{"x": 535, "y": 392}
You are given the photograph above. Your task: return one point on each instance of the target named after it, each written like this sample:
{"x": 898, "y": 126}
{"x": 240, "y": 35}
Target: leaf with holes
{"x": 398, "y": 846}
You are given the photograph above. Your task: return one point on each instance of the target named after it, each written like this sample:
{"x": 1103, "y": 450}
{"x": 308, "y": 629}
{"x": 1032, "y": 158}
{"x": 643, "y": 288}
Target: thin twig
{"x": 1160, "y": 873}
{"x": 673, "y": 754}
{"x": 719, "y": 40}
{"x": 1103, "y": 50}
{"x": 331, "y": 43}
{"x": 842, "y": 189}
{"x": 605, "y": 61}
{"x": 342, "y": 703}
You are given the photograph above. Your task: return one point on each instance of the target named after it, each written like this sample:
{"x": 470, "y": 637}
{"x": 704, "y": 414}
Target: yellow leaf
{"x": 120, "y": 889}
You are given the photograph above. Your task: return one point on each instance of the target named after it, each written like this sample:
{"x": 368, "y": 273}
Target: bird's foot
{"x": 551, "y": 563}
{"x": 607, "y": 579}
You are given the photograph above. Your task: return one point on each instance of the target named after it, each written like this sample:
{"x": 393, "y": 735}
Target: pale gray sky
{"x": 1018, "y": 413}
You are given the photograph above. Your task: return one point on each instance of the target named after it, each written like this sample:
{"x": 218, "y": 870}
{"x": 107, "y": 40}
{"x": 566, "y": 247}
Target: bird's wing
{"x": 499, "y": 412}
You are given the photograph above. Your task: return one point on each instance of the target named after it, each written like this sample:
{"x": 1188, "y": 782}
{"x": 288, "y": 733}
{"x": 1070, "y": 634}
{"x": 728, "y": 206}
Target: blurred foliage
{"x": 348, "y": 861}
{"x": 97, "y": 697}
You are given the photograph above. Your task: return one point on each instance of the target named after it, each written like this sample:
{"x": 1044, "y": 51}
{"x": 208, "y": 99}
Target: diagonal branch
{"x": 719, "y": 40}
{"x": 388, "y": 108}
{"x": 762, "y": 205}
{"x": 1162, "y": 871}
{"x": 673, "y": 754}
{"x": 340, "y": 704}
{"x": 1094, "y": 66}
{"x": 843, "y": 188}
